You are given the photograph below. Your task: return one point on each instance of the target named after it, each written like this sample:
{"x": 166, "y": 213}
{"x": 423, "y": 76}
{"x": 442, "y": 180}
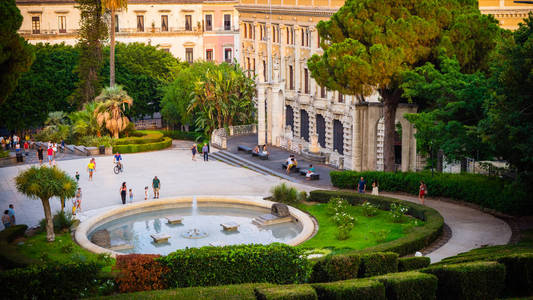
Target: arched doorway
{"x": 304, "y": 125}
{"x": 289, "y": 117}
{"x": 321, "y": 130}
{"x": 338, "y": 137}
{"x": 398, "y": 146}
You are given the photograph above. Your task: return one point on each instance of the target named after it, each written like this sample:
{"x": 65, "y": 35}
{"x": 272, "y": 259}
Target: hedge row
{"x": 274, "y": 263}
{"x": 51, "y": 281}
{"x": 286, "y": 292}
{"x": 415, "y": 240}
{"x": 476, "y": 280}
{"x": 489, "y": 192}
{"x": 10, "y": 257}
{"x": 182, "y": 135}
{"x": 147, "y": 137}
{"x": 133, "y": 148}
{"x": 139, "y": 272}
{"x": 413, "y": 263}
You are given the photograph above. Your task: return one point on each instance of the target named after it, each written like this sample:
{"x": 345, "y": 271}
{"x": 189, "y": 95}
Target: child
{"x": 77, "y": 176}
{"x": 310, "y": 172}
{"x": 131, "y": 196}
{"x": 78, "y": 199}
{"x": 145, "y": 193}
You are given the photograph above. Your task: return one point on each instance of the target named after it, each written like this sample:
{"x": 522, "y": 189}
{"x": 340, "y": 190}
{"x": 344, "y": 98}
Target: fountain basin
{"x": 318, "y": 157}
{"x": 133, "y": 224}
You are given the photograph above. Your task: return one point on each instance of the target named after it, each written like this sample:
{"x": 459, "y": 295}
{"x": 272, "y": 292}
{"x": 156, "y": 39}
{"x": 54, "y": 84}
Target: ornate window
{"x": 304, "y": 125}
{"x": 321, "y": 130}
{"x": 338, "y": 137}
{"x": 188, "y": 22}
{"x": 35, "y": 25}
{"x": 164, "y": 23}
{"x": 227, "y": 22}
{"x": 140, "y": 23}
{"x": 189, "y": 55}
{"x": 208, "y": 22}
{"x": 209, "y": 54}
{"x": 62, "y": 24}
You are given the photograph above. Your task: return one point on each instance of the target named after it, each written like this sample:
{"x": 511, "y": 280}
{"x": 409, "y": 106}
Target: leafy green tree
{"x": 144, "y": 72}
{"x": 223, "y": 98}
{"x": 45, "y": 183}
{"x": 454, "y": 102}
{"x": 113, "y": 6}
{"x": 84, "y": 121}
{"x": 369, "y": 45}
{"x": 92, "y": 33}
{"x": 44, "y": 88}
{"x": 508, "y": 126}
{"x": 16, "y": 56}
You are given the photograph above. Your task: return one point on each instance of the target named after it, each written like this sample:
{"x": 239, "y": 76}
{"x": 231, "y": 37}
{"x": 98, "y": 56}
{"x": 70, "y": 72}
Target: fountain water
{"x": 194, "y": 233}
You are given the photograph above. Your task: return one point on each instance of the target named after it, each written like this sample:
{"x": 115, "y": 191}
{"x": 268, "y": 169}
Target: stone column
{"x": 356, "y": 141}
{"x": 373, "y": 118}
{"x": 412, "y": 150}
{"x": 261, "y": 129}
{"x": 297, "y": 63}
{"x": 269, "y": 97}
{"x": 406, "y": 144}
{"x": 277, "y": 116}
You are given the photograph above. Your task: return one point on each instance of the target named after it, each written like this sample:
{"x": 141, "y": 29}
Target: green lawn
{"x": 364, "y": 233}
{"x": 62, "y": 250}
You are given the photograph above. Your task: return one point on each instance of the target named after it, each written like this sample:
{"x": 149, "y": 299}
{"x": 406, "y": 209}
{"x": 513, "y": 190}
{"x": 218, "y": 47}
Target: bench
{"x": 175, "y": 220}
{"x": 230, "y": 226}
{"x": 314, "y": 176}
{"x": 160, "y": 238}
{"x": 244, "y": 148}
{"x": 293, "y": 169}
{"x": 261, "y": 155}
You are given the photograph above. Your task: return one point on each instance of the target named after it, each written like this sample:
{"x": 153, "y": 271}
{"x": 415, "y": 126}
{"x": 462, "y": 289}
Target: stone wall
{"x": 219, "y": 136}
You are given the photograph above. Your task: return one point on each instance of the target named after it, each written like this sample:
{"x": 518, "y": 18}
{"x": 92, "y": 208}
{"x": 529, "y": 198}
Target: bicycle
{"x": 118, "y": 168}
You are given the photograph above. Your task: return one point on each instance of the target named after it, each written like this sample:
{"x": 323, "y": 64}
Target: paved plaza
{"x": 181, "y": 176}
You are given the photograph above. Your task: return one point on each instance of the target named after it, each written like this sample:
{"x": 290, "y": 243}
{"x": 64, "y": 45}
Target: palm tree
{"x": 84, "y": 121}
{"x": 110, "y": 110}
{"x": 45, "y": 183}
{"x": 113, "y": 6}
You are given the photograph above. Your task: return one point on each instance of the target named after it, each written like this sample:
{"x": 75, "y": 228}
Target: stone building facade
{"x": 507, "y": 12}
{"x": 277, "y": 39}
{"x": 189, "y": 29}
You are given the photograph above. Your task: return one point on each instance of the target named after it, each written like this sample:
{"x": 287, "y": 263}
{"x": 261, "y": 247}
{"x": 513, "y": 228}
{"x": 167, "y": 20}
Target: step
{"x": 249, "y": 163}
{"x": 236, "y": 163}
{"x": 219, "y": 158}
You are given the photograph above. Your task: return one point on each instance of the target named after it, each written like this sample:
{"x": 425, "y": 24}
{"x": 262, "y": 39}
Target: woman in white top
{"x": 375, "y": 190}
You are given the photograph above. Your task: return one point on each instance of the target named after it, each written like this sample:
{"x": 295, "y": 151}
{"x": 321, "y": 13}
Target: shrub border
{"x": 419, "y": 238}
{"x": 135, "y": 148}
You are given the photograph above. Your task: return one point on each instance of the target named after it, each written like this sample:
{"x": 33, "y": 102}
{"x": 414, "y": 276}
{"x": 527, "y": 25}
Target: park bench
{"x": 244, "y": 148}
{"x": 261, "y": 155}
{"x": 293, "y": 169}
{"x": 314, "y": 176}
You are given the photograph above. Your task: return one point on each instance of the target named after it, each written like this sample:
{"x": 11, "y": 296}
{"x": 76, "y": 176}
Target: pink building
{"x": 220, "y": 26}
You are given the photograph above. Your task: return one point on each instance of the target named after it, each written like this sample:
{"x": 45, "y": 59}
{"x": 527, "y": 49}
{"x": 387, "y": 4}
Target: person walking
{"x": 205, "y": 152}
{"x": 90, "y": 167}
{"x": 50, "y": 153}
{"x": 375, "y": 189}
{"x": 77, "y": 177}
{"x": 194, "y": 150}
{"x": 145, "y": 193}
{"x": 361, "y": 185}
{"x": 11, "y": 213}
{"x": 156, "y": 184}
{"x": 131, "y": 196}
{"x": 40, "y": 155}
{"x": 6, "y": 220}
{"x": 78, "y": 199}
{"x": 422, "y": 191}
{"x": 26, "y": 148}
{"x": 123, "y": 192}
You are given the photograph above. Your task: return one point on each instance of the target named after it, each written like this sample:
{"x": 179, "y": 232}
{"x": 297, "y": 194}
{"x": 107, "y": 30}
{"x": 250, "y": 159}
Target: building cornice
{"x": 507, "y": 12}
{"x": 287, "y": 10}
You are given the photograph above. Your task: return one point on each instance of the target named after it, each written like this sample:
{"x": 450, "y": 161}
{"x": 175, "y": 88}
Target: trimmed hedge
{"x": 409, "y": 286}
{"x": 415, "y": 240}
{"x": 476, "y": 280}
{"x": 148, "y": 136}
{"x": 357, "y": 289}
{"x": 335, "y": 268}
{"x": 518, "y": 274}
{"x": 134, "y": 148}
{"x": 490, "y": 192}
{"x": 274, "y": 263}
{"x": 10, "y": 257}
{"x": 286, "y": 292}
{"x": 10, "y": 234}
{"x": 379, "y": 263}
{"x": 57, "y": 281}
{"x": 413, "y": 263}
{"x": 182, "y": 135}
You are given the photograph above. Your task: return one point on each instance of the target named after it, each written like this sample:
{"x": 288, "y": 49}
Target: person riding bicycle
{"x": 117, "y": 158}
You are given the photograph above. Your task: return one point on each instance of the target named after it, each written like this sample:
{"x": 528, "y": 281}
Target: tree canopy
{"x": 16, "y": 56}
{"x": 369, "y": 45}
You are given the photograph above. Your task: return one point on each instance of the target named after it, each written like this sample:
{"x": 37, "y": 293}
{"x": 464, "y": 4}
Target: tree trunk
{"x": 62, "y": 204}
{"x": 391, "y": 99}
{"x": 50, "y": 236}
{"x": 112, "y": 51}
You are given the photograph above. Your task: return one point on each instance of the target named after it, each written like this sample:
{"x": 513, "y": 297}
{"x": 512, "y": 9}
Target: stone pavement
{"x": 277, "y": 156}
{"x": 31, "y": 158}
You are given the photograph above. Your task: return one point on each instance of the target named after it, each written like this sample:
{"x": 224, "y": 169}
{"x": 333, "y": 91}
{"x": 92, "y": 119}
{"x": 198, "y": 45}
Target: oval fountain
{"x": 163, "y": 226}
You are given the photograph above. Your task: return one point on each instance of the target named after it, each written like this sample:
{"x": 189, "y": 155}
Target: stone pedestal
{"x": 313, "y": 145}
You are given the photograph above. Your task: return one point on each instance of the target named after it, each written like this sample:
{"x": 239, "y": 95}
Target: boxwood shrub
{"x": 355, "y": 289}
{"x": 413, "y": 263}
{"x": 133, "y": 148}
{"x": 139, "y": 272}
{"x": 518, "y": 274}
{"x": 147, "y": 137}
{"x": 286, "y": 292}
{"x": 274, "y": 263}
{"x": 415, "y": 240}
{"x": 475, "y": 280}
{"x": 335, "y": 268}
{"x": 409, "y": 286}
{"x": 50, "y": 281}
{"x": 10, "y": 256}
{"x": 182, "y": 135}
{"x": 378, "y": 263}
{"x": 489, "y": 192}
